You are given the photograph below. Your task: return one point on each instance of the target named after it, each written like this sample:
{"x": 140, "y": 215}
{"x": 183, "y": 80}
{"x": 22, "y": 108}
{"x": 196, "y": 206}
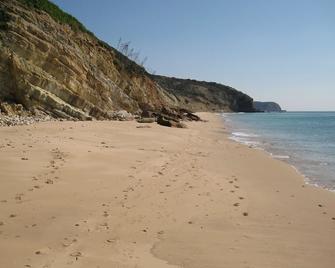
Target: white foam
{"x": 244, "y": 141}
{"x": 280, "y": 156}
{"x": 242, "y": 134}
{"x": 324, "y": 164}
{"x": 249, "y": 139}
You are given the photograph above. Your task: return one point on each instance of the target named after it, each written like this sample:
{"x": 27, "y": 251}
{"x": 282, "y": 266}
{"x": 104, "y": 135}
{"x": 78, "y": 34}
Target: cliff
{"x": 205, "y": 96}
{"x": 50, "y": 62}
{"x": 267, "y": 107}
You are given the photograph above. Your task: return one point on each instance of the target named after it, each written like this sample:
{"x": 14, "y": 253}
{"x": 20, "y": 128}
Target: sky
{"x": 282, "y": 51}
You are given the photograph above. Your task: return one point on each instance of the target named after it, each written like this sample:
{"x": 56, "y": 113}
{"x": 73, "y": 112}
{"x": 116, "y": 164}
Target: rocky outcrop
{"x": 63, "y": 70}
{"x": 267, "y": 107}
{"x": 169, "y": 122}
{"x": 205, "y": 96}
{"x": 49, "y": 66}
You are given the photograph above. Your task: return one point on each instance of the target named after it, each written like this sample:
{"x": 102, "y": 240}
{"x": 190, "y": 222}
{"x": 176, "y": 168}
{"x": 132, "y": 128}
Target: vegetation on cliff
{"x": 64, "y": 18}
{"x": 63, "y": 71}
{"x": 205, "y": 96}
{"x": 56, "y": 13}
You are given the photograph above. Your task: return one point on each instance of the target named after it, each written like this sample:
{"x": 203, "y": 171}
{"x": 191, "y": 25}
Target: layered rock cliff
{"x": 62, "y": 69}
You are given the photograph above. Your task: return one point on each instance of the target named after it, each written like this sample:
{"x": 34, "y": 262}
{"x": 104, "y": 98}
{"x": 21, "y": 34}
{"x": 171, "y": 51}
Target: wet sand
{"x": 110, "y": 194}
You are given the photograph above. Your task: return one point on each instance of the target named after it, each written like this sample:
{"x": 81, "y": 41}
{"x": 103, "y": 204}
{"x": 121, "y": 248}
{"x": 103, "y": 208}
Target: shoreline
{"x": 258, "y": 144}
{"x": 109, "y": 194}
{"x": 285, "y": 160}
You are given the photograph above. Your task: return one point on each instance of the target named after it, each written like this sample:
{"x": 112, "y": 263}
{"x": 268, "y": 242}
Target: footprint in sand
{"x": 68, "y": 242}
{"x": 160, "y": 232}
{"x": 42, "y": 251}
{"x": 18, "y": 197}
{"x": 105, "y": 214}
{"x": 76, "y": 255}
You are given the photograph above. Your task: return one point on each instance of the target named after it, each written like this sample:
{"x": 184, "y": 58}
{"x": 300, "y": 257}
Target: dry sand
{"x": 109, "y": 194}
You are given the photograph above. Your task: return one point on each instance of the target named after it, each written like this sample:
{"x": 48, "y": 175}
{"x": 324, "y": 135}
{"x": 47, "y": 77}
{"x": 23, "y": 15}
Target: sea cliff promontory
{"x": 51, "y": 64}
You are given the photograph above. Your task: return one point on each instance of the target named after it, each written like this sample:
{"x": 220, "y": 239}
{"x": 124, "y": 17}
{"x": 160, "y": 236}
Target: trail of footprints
{"x": 50, "y": 176}
{"x": 169, "y": 171}
{"x": 38, "y": 181}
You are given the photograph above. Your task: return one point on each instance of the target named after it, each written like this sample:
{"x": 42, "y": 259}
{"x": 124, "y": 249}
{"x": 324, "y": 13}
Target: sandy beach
{"x": 110, "y": 194}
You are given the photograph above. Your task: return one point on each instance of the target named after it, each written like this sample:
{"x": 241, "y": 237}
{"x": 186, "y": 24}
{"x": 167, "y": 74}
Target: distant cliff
{"x": 50, "y": 62}
{"x": 267, "y": 107}
{"x": 205, "y": 96}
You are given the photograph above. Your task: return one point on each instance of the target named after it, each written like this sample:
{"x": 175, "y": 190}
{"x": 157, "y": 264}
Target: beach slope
{"x": 111, "y": 194}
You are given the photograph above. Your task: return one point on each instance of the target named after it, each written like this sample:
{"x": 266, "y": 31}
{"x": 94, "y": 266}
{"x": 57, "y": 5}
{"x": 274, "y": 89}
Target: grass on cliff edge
{"x": 62, "y": 17}
{"x": 56, "y": 13}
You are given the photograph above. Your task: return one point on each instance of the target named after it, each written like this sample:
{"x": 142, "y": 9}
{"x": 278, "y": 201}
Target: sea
{"x": 306, "y": 140}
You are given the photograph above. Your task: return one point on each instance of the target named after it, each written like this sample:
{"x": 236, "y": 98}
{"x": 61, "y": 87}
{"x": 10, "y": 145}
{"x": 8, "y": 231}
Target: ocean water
{"x": 306, "y": 140}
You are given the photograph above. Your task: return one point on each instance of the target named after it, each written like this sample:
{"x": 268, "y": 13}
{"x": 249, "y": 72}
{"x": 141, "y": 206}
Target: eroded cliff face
{"x": 205, "y": 96}
{"x": 47, "y": 66}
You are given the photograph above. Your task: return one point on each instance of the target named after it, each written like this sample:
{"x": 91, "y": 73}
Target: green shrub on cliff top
{"x": 121, "y": 61}
{"x": 56, "y": 13}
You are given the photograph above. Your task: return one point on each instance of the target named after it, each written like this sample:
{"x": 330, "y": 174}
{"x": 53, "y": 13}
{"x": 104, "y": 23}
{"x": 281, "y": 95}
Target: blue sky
{"x": 280, "y": 50}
